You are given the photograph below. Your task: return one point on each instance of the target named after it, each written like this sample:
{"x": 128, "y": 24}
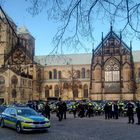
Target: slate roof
{"x": 75, "y": 59}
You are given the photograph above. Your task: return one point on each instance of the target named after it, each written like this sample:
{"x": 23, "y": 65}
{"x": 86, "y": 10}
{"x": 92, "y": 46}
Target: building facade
{"x": 110, "y": 72}
{"x": 19, "y": 74}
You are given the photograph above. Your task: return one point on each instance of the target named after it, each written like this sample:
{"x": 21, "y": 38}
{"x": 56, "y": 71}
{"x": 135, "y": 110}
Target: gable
{"x": 110, "y": 45}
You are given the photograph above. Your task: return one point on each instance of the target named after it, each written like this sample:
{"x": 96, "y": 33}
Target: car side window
{"x": 7, "y": 111}
{"x": 13, "y": 111}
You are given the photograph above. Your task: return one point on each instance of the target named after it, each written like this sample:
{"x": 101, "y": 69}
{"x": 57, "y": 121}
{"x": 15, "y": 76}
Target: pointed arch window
{"x": 88, "y": 73}
{"x": 112, "y": 72}
{"x": 14, "y": 93}
{"x": 14, "y": 80}
{"x": 55, "y": 74}
{"x": 83, "y": 72}
{"x": 50, "y": 75}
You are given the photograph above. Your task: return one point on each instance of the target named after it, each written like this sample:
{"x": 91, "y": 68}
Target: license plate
{"x": 38, "y": 125}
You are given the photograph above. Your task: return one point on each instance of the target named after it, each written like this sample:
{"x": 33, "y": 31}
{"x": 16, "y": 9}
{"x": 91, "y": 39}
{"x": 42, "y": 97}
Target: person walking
{"x": 47, "y": 110}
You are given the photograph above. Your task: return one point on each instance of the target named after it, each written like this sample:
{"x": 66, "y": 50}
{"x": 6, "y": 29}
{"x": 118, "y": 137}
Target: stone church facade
{"x": 113, "y": 75}
{"x": 19, "y": 74}
{"x": 110, "y": 72}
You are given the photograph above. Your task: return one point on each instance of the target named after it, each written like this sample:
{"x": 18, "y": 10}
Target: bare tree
{"x": 78, "y": 18}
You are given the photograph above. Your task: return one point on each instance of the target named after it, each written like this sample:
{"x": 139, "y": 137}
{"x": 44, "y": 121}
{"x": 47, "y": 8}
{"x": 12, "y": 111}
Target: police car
{"x": 23, "y": 119}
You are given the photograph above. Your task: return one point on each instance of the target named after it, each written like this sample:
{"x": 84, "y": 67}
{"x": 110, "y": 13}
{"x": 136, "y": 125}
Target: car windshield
{"x": 26, "y": 112}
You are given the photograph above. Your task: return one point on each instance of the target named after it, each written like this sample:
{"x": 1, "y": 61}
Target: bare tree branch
{"x": 78, "y": 18}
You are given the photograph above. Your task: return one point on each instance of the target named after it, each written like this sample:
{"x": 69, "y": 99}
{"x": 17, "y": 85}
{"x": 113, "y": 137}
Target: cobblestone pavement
{"x": 95, "y": 128}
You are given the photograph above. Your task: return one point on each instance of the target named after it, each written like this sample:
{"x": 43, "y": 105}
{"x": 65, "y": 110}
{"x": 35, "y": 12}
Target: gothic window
{"x": 88, "y": 73}
{"x": 47, "y": 92}
{"x": 83, "y": 72}
{"x": 59, "y": 74}
{"x": 55, "y": 74}
{"x": 85, "y": 91}
{"x": 112, "y": 72}
{"x": 50, "y": 75}
{"x": 14, "y": 93}
{"x": 14, "y": 80}
{"x": 78, "y": 74}
{"x": 56, "y": 91}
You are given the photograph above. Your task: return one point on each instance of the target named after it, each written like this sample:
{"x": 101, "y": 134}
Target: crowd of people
{"x": 111, "y": 110}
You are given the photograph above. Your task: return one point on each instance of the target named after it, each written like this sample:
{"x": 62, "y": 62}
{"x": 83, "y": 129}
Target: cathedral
{"x": 110, "y": 72}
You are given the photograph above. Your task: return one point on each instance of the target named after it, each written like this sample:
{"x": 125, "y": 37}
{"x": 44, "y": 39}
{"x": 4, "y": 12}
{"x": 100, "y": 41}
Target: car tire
{"x": 2, "y": 123}
{"x": 18, "y": 127}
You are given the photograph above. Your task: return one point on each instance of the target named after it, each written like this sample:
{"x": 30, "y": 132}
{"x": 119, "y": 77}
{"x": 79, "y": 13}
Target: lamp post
{"x": 121, "y": 97}
{"x": 9, "y": 85}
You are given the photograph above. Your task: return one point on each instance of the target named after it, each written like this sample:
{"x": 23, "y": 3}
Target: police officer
{"x": 130, "y": 112}
{"x": 74, "y": 109}
{"x": 59, "y": 110}
{"x": 89, "y": 110}
{"x": 64, "y": 105}
{"x": 138, "y": 113}
{"x": 47, "y": 110}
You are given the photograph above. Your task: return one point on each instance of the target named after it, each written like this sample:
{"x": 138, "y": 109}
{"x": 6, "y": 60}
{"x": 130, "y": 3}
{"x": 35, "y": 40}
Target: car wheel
{"x": 2, "y": 123}
{"x": 18, "y": 127}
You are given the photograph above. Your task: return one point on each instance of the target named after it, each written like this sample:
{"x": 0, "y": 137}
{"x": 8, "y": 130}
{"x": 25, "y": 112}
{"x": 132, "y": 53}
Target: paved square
{"x": 95, "y": 128}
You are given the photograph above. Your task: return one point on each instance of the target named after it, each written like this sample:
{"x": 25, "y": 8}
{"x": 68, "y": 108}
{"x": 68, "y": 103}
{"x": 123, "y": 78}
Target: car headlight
{"x": 47, "y": 121}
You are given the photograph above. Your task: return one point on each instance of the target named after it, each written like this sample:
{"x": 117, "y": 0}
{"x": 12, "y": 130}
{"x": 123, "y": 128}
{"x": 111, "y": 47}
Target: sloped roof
{"x": 75, "y": 59}
{"x": 68, "y": 59}
{"x": 23, "y": 30}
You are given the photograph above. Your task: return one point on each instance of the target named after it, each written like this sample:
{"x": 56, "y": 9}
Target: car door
{"x": 13, "y": 117}
{"x": 6, "y": 117}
